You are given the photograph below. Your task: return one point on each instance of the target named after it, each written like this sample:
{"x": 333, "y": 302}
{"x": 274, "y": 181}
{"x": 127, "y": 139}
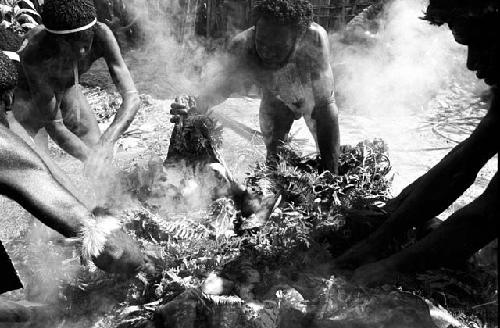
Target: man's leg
{"x": 465, "y": 232}
{"x": 275, "y": 123}
{"x": 79, "y": 117}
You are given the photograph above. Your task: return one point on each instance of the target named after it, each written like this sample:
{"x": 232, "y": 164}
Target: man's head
{"x": 71, "y": 22}
{"x": 8, "y": 81}
{"x": 278, "y": 24}
{"x": 9, "y": 40}
{"x": 476, "y": 24}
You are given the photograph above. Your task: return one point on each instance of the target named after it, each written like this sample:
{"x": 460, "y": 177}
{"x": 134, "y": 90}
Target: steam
{"x": 44, "y": 264}
{"x": 401, "y": 68}
{"x": 180, "y": 187}
{"x": 171, "y": 59}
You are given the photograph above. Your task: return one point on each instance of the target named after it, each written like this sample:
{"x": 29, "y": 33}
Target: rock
{"x": 179, "y": 313}
{"x": 194, "y": 310}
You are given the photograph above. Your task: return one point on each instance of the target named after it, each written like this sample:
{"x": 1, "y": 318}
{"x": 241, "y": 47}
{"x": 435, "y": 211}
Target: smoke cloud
{"x": 400, "y": 68}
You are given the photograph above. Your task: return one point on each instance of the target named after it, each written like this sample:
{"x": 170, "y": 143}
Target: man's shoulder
{"x": 316, "y": 35}
{"x": 102, "y": 31}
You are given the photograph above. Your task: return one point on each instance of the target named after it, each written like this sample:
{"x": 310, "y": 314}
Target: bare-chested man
{"x": 287, "y": 55}
{"x": 50, "y": 97}
{"x": 35, "y": 183}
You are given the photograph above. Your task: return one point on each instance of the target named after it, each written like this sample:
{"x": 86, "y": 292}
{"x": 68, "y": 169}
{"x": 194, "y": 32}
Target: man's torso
{"x": 49, "y": 64}
{"x": 291, "y": 83}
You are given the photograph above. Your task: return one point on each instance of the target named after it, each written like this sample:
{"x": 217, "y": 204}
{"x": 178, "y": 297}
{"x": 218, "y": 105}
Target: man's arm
{"x": 325, "y": 111}
{"x": 25, "y": 178}
{"x": 124, "y": 83}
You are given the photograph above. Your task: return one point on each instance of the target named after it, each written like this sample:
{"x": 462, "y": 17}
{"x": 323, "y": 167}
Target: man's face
{"x": 273, "y": 42}
{"x": 482, "y": 38}
{"x": 78, "y": 44}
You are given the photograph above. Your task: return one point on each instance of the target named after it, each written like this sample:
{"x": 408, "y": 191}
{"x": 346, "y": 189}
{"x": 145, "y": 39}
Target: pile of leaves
{"x": 186, "y": 247}
{"x": 310, "y": 202}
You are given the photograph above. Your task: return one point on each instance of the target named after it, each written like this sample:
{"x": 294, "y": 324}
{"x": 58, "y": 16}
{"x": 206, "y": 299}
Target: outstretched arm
{"x": 325, "y": 111}
{"x": 25, "y": 178}
{"x": 124, "y": 83}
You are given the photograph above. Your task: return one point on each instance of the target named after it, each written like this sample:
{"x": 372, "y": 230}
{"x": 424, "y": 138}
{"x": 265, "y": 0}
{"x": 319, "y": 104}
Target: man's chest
{"x": 290, "y": 84}
{"x": 62, "y": 73}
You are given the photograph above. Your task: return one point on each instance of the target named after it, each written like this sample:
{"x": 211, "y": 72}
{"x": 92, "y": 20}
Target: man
{"x": 32, "y": 181}
{"x": 287, "y": 55}
{"x": 476, "y": 24}
{"x": 49, "y": 96}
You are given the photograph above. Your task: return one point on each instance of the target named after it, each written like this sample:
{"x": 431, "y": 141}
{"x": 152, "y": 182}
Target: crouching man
{"x": 49, "y": 95}
{"x": 287, "y": 55}
{"x": 34, "y": 183}
{"x": 475, "y": 24}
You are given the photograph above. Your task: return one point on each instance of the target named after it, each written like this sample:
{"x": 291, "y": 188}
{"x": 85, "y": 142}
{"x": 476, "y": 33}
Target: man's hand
{"x": 99, "y": 162}
{"x": 120, "y": 255}
{"x": 184, "y": 105}
{"x": 110, "y": 248}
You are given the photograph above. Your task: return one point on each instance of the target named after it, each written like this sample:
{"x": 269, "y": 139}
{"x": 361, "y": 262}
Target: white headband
{"x": 78, "y": 29}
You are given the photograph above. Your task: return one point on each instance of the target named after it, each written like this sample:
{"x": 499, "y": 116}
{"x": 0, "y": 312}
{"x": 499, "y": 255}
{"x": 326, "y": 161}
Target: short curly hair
{"x": 9, "y": 40}
{"x": 296, "y": 13}
{"x": 68, "y": 14}
{"x": 8, "y": 73}
{"x": 444, "y": 11}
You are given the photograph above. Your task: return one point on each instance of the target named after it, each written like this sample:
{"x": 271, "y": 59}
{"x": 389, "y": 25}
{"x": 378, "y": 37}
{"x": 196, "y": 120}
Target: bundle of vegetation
{"x": 196, "y": 138}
